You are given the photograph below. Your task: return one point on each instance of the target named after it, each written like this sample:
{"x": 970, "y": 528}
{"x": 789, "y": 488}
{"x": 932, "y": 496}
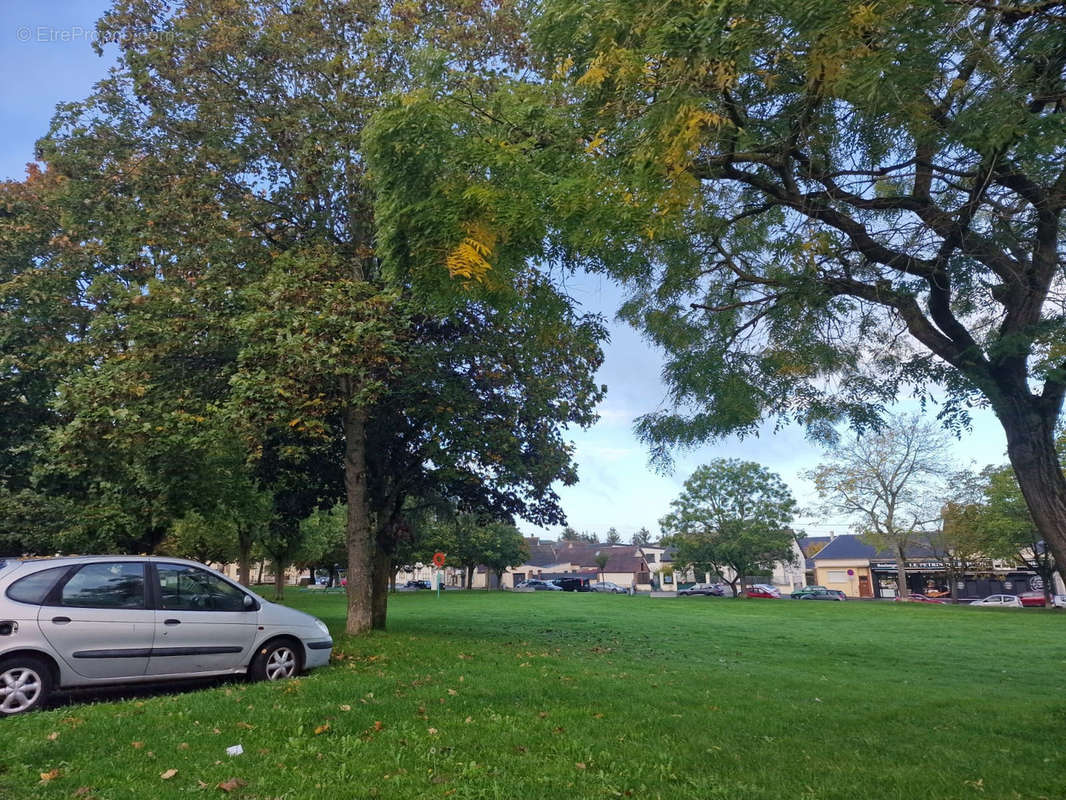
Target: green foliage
{"x": 818, "y": 206}
{"x": 210, "y": 541}
{"x": 732, "y": 516}
{"x": 613, "y": 536}
{"x": 471, "y": 540}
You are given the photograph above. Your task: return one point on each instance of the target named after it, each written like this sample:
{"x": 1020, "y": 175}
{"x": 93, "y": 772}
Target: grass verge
{"x": 498, "y": 695}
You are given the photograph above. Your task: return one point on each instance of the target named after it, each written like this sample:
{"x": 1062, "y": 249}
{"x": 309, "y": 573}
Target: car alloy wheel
{"x": 24, "y": 684}
{"x": 281, "y": 663}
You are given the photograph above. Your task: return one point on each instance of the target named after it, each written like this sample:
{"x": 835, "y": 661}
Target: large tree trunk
{"x": 360, "y": 543}
{"x": 902, "y": 591}
{"x": 470, "y": 576}
{"x": 1032, "y": 454}
{"x": 279, "y": 581}
{"x": 380, "y": 599}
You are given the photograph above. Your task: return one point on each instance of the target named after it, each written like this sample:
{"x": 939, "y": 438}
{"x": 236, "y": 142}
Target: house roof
{"x": 541, "y": 554}
{"x": 621, "y": 558}
{"x": 853, "y": 547}
{"x": 807, "y": 543}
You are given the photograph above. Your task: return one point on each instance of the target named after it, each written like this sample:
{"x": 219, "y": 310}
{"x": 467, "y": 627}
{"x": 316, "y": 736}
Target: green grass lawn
{"x": 490, "y": 695}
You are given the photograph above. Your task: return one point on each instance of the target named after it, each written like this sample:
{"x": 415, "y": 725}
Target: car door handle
{"x": 60, "y": 620}
{"x": 172, "y": 622}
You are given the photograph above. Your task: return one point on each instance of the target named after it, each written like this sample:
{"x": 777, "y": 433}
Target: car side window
{"x": 105, "y": 585}
{"x": 184, "y": 588}
{"x": 34, "y": 588}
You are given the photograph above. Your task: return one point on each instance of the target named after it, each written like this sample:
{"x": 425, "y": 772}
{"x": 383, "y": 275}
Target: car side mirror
{"x": 249, "y": 602}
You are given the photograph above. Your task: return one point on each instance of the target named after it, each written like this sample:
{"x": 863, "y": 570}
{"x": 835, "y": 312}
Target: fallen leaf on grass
{"x": 377, "y": 725}
{"x": 468, "y": 720}
{"x": 246, "y": 726}
{"x": 580, "y": 765}
{"x": 231, "y": 785}
{"x": 52, "y": 736}
{"x": 432, "y": 731}
{"x": 170, "y": 773}
{"x": 183, "y": 746}
{"x": 321, "y": 729}
{"x": 83, "y": 791}
{"x": 136, "y": 745}
{"x": 51, "y": 775}
{"x": 346, "y": 707}
{"x": 452, "y": 692}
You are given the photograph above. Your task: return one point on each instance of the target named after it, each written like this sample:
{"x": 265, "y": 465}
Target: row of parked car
{"x": 1024, "y": 600}
{"x": 762, "y": 590}
{"x": 571, "y": 585}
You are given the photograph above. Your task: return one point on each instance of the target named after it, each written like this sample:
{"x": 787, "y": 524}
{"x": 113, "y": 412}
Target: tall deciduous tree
{"x": 248, "y": 117}
{"x": 732, "y": 518}
{"x": 819, "y": 205}
{"x": 891, "y": 482}
{"x": 642, "y": 537}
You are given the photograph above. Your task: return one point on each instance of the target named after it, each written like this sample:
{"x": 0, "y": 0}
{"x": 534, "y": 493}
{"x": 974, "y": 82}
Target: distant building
{"x": 859, "y": 569}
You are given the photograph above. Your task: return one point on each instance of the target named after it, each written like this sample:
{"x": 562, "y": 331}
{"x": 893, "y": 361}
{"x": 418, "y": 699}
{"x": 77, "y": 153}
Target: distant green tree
{"x": 642, "y": 537}
{"x": 601, "y": 561}
{"x": 731, "y": 519}
{"x": 1007, "y": 528}
{"x": 613, "y": 536}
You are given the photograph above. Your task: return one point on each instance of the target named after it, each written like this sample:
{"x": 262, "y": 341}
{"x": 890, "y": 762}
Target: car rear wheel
{"x": 275, "y": 661}
{"x": 25, "y": 684}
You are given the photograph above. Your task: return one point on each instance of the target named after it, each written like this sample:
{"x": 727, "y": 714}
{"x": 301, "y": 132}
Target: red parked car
{"x": 1032, "y": 599}
{"x": 920, "y": 598}
{"x": 763, "y": 590}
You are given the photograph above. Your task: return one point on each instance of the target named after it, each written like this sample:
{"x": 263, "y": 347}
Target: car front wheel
{"x": 25, "y": 684}
{"x": 275, "y": 662}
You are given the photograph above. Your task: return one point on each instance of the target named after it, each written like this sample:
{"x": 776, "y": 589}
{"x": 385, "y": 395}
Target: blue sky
{"x": 46, "y": 58}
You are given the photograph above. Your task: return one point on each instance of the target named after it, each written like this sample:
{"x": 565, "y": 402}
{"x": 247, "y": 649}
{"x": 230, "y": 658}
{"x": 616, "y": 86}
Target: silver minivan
{"x": 96, "y": 620}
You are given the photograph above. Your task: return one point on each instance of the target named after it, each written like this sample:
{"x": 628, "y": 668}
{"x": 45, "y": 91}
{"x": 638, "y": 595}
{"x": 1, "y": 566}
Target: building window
{"x": 649, "y": 557}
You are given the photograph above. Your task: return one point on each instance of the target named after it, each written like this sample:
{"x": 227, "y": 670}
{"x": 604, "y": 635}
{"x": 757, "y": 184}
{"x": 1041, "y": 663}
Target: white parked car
{"x": 999, "y": 601}
{"x": 607, "y": 586}
{"x": 97, "y": 620}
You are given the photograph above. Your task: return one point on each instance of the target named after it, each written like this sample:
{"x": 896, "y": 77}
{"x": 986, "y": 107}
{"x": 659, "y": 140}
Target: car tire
{"x": 26, "y": 683}
{"x": 276, "y": 661}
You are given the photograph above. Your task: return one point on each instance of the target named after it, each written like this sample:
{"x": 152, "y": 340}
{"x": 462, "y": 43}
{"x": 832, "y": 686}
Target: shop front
{"x": 928, "y": 577}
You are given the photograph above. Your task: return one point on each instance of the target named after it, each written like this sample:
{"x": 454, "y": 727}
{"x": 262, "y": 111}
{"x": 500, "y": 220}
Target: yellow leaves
{"x": 51, "y": 775}
{"x": 563, "y": 67}
{"x": 595, "y": 74}
{"x": 686, "y": 135}
{"x": 324, "y": 728}
{"x": 470, "y": 259}
{"x": 168, "y": 774}
{"x": 597, "y": 141}
{"x": 864, "y": 16}
{"x": 723, "y": 75}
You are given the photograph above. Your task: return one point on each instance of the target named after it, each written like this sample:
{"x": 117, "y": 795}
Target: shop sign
{"x": 910, "y": 565}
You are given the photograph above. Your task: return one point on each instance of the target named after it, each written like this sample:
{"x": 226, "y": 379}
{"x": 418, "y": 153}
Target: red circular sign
{"x": 438, "y": 559}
